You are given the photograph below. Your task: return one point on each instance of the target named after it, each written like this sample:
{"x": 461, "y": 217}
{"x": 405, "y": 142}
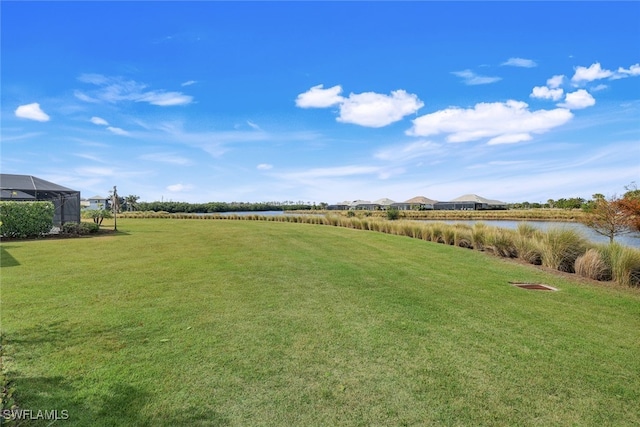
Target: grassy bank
{"x": 558, "y": 248}
{"x": 239, "y": 323}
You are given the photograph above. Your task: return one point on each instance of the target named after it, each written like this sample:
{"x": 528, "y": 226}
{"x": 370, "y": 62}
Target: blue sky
{"x": 323, "y": 102}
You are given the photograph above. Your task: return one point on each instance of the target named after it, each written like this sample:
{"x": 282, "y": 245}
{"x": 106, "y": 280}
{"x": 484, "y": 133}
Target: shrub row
{"x": 557, "y": 248}
{"x": 26, "y": 219}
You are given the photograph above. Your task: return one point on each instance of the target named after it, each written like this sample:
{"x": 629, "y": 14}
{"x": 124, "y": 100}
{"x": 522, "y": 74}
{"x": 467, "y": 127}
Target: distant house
{"x": 471, "y": 202}
{"x": 98, "y": 202}
{"x": 466, "y": 202}
{"x": 343, "y": 206}
{"x": 415, "y": 204}
{"x": 384, "y": 204}
{"x": 27, "y": 188}
{"x": 364, "y": 205}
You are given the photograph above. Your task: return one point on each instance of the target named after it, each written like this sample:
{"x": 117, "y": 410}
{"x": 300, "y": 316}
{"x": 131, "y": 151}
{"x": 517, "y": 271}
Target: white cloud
{"x": 543, "y": 92}
{"x": 189, "y": 83}
{"x": 317, "y": 97}
{"x": 175, "y": 188}
{"x": 578, "y": 100}
{"x": 32, "y": 112}
{"x": 632, "y": 71}
{"x": 593, "y": 72}
{"x": 84, "y": 97}
{"x": 333, "y": 172}
{"x": 599, "y": 88}
{"x": 96, "y": 79}
{"x": 99, "y": 121}
{"x": 117, "y": 131}
{"x": 117, "y": 89}
{"x": 471, "y": 79}
{"x": 253, "y": 125}
{"x": 520, "y": 62}
{"x": 365, "y": 109}
{"x": 95, "y": 171}
{"x": 555, "y": 81}
{"x": 510, "y": 138}
{"x": 507, "y": 122}
{"x": 91, "y": 157}
{"x": 264, "y": 166}
{"x": 164, "y": 99}
{"x": 409, "y": 151}
{"x": 170, "y": 158}
{"x": 376, "y": 110}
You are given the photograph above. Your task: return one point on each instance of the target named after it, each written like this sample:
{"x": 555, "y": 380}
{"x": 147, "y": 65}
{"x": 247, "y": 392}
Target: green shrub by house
{"x": 80, "y": 229}
{"x": 25, "y": 219}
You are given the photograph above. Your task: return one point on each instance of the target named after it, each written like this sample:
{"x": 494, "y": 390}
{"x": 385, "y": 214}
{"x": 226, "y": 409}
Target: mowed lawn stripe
{"x": 197, "y": 322}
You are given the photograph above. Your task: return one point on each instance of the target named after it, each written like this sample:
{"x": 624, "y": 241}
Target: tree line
{"x": 213, "y": 207}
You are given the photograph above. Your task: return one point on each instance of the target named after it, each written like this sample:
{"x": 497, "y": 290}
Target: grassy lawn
{"x": 194, "y": 322}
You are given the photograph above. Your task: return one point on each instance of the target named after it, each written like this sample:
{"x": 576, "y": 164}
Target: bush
{"x": 393, "y": 214}
{"x": 79, "y": 229}
{"x": 26, "y": 219}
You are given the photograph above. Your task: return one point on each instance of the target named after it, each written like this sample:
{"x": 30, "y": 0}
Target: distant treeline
{"x": 571, "y": 203}
{"x": 211, "y": 207}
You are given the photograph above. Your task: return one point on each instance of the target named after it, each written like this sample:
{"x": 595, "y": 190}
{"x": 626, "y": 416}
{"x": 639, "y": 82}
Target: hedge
{"x": 26, "y": 219}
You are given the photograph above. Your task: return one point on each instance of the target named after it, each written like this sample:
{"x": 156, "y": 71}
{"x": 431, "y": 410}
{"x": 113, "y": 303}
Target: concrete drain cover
{"x": 533, "y": 286}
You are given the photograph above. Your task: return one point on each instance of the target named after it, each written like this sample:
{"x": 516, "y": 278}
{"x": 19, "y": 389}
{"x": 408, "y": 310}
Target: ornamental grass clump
{"x": 417, "y": 230}
{"x": 478, "y": 235}
{"x": 500, "y": 242}
{"x": 463, "y": 236}
{"x": 594, "y": 265}
{"x": 448, "y": 235}
{"x": 625, "y": 264}
{"x": 560, "y": 247}
{"x": 437, "y": 232}
{"x": 527, "y": 243}
{"x": 528, "y": 249}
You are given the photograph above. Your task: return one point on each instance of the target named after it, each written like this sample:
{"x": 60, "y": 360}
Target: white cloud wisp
{"x": 520, "y": 62}
{"x": 472, "y": 79}
{"x": 117, "y": 89}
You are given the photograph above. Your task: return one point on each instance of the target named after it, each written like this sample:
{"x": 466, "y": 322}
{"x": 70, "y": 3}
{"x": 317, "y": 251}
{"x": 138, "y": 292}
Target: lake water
{"x": 625, "y": 239}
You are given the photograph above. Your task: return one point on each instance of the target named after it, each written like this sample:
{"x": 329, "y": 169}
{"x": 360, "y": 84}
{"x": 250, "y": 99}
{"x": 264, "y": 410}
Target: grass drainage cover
{"x": 533, "y": 286}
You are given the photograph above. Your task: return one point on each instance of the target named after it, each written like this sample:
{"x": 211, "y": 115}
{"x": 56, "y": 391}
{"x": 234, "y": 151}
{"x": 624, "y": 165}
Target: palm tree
{"x": 132, "y": 202}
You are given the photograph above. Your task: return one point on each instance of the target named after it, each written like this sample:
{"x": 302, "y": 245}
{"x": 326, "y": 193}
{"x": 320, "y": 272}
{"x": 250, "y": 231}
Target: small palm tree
{"x": 132, "y": 202}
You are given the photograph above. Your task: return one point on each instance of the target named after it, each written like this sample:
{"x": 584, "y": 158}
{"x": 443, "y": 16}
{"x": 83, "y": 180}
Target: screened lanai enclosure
{"x": 27, "y": 188}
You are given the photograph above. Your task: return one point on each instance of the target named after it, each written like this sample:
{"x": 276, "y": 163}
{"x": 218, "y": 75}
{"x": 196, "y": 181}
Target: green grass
{"x": 187, "y": 322}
